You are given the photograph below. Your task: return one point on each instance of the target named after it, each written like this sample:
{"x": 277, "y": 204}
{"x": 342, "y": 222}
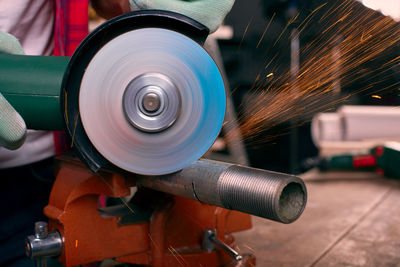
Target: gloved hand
{"x": 208, "y": 12}
{"x": 12, "y": 126}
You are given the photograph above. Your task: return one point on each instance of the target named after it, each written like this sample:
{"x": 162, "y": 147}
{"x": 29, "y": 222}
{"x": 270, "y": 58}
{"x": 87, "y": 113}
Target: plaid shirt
{"x": 71, "y": 27}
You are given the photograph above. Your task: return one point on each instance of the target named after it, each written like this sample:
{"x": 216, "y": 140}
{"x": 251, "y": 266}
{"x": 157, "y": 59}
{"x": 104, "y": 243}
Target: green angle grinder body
{"x": 142, "y": 94}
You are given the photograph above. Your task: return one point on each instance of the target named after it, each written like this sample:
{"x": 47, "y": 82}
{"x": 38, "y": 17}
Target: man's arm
{"x": 208, "y": 12}
{"x": 110, "y": 8}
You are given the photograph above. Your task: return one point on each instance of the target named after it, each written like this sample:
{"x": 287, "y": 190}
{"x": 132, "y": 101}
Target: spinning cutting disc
{"x": 152, "y": 101}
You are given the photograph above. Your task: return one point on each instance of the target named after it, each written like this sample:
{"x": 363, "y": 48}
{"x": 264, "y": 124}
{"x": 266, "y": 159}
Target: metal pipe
{"x": 271, "y": 195}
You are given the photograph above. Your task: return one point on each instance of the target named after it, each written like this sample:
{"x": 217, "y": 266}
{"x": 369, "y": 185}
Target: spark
{"x": 265, "y": 31}
{"x": 245, "y": 31}
{"x": 364, "y": 36}
{"x": 126, "y": 204}
{"x": 307, "y": 20}
{"x": 73, "y": 132}
{"x": 176, "y": 255}
{"x": 270, "y": 75}
{"x": 250, "y": 248}
{"x": 76, "y": 243}
{"x": 271, "y": 61}
{"x": 286, "y": 27}
{"x": 154, "y": 243}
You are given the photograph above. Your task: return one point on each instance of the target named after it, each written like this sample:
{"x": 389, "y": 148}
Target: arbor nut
{"x": 151, "y": 102}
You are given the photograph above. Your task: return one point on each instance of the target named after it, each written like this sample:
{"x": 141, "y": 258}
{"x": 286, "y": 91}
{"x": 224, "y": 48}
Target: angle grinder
{"x": 140, "y": 93}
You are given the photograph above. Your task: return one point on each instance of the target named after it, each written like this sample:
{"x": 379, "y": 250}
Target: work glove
{"x": 12, "y": 126}
{"x": 208, "y": 12}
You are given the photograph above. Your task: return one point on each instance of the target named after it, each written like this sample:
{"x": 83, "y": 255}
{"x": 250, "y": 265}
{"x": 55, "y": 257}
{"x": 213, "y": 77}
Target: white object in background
{"x": 386, "y": 7}
{"x": 326, "y": 127}
{"x": 356, "y": 123}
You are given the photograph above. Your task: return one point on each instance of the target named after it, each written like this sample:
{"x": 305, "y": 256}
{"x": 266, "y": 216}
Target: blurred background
{"x": 287, "y": 60}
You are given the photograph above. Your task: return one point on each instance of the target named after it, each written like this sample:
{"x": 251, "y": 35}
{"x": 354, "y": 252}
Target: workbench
{"x": 351, "y": 219}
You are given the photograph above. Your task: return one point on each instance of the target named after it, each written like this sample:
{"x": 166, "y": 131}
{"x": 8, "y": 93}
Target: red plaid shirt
{"x": 71, "y": 27}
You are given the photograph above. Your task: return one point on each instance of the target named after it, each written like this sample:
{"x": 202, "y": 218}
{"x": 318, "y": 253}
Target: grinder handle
{"x": 32, "y": 85}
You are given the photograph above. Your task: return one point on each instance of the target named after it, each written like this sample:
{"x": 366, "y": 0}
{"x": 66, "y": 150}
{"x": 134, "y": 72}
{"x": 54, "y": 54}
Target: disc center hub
{"x": 151, "y": 102}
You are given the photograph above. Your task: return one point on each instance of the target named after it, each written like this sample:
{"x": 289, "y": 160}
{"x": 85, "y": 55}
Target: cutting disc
{"x": 152, "y": 101}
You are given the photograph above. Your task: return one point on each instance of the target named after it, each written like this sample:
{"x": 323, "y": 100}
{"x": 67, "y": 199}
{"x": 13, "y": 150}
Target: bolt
{"x": 41, "y": 230}
{"x": 151, "y": 102}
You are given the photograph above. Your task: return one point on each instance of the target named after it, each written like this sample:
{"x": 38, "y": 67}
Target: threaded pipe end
{"x": 275, "y": 196}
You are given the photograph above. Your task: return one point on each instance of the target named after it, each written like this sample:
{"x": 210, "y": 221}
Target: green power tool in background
{"x": 383, "y": 159}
